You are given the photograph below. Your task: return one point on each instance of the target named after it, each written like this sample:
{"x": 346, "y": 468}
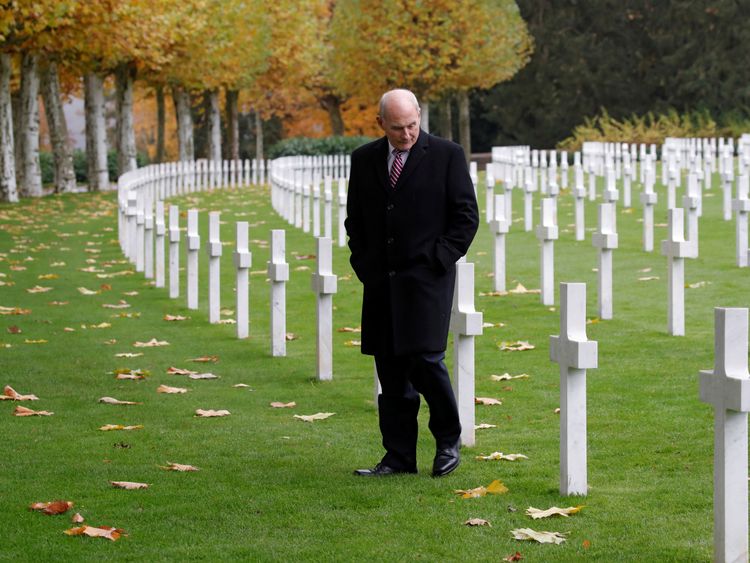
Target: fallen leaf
{"x": 52, "y": 508}
{"x": 493, "y": 325}
{"x": 291, "y": 336}
{"x": 486, "y": 401}
{"x": 648, "y": 278}
{"x": 508, "y": 377}
{"x": 130, "y": 293}
{"x": 23, "y": 411}
{"x": 353, "y": 343}
{"x": 586, "y": 544}
{"x": 170, "y": 390}
{"x": 477, "y": 522}
{"x": 112, "y": 401}
{"x": 484, "y": 426}
{"x": 178, "y": 467}
{"x": 557, "y": 410}
{"x": 77, "y": 518}
{"x": 279, "y": 405}
{"x": 496, "y": 456}
{"x": 10, "y": 394}
{"x": 39, "y": 289}
{"x": 175, "y": 318}
{"x": 350, "y": 329}
{"x": 314, "y": 417}
{"x": 129, "y": 355}
{"x": 38, "y": 341}
{"x": 171, "y": 370}
{"x": 514, "y": 557}
{"x": 85, "y": 291}
{"x": 120, "y": 305}
{"x": 14, "y": 311}
{"x": 517, "y": 346}
{"x": 541, "y": 537}
{"x": 644, "y": 271}
{"x": 494, "y": 488}
{"x": 69, "y": 329}
{"x": 241, "y": 385}
{"x": 13, "y": 329}
{"x": 211, "y": 413}
{"x": 227, "y": 312}
{"x": 151, "y": 343}
{"x": 696, "y": 285}
{"x": 205, "y": 359}
{"x": 203, "y": 376}
{"x": 306, "y": 257}
{"x": 106, "y": 532}
{"x": 128, "y": 485}
{"x": 535, "y": 513}
{"x": 108, "y": 427}
{"x": 593, "y": 321}
{"x": 520, "y": 289}
{"x": 59, "y": 303}
{"x": 134, "y": 375}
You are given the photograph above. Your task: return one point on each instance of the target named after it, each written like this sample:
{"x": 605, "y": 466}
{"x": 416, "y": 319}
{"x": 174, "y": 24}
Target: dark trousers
{"x": 403, "y": 379}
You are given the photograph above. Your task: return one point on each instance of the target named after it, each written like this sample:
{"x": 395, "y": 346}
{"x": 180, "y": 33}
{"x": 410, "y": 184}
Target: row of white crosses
{"x": 296, "y": 193}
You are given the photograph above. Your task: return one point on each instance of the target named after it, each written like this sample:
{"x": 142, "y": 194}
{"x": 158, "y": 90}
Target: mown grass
{"x": 274, "y": 488}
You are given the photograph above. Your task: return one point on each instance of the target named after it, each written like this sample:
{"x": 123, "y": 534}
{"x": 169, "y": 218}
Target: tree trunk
{"x": 184, "y": 118}
{"x": 233, "y": 124}
{"x": 464, "y": 125}
{"x": 213, "y": 125}
{"x": 29, "y": 127}
{"x": 8, "y": 190}
{"x": 15, "y": 104}
{"x": 332, "y": 104}
{"x": 448, "y": 117}
{"x": 65, "y": 176}
{"x": 258, "y": 138}
{"x": 425, "y": 114}
{"x": 124, "y": 78}
{"x": 160, "y": 123}
{"x": 96, "y": 133}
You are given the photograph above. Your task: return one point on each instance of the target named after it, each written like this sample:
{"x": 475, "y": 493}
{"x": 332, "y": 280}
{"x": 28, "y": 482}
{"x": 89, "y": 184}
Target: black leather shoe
{"x": 446, "y": 460}
{"x": 381, "y": 470}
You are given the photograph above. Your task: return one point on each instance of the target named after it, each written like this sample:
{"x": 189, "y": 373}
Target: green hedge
{"x": 314, "y": 147}
{"x": 46, "y": 161}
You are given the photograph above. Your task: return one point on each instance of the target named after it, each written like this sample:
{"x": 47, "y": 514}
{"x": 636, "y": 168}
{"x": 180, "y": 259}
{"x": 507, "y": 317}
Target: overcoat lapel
{"x": 416, "y": 154}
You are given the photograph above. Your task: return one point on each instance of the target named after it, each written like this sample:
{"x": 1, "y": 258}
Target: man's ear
{"x": 380, "y": 121}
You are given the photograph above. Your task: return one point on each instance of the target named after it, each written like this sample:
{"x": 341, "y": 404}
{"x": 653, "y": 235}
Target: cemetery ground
{"x": 273, "y": 487}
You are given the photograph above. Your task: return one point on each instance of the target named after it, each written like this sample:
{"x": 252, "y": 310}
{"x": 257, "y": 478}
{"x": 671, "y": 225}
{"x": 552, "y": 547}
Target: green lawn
{"x": 271, "y": 487}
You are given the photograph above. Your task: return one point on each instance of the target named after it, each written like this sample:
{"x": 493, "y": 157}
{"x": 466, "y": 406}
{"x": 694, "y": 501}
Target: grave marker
{"x": 606, "y": 241}
{"x": 676, "y": 249}
{"x": 193, "y": 246}
{"x": 174, "y": 251}
{"x": 148, "y": 236}
{"x": 579, "y": 193}
{"x": 546, "y": 232}
{"x": 324, "y": 285}
{"x": 160, "y": 232}
{"x": 328, "y": 213}
{"x": 342, "y": 211}
{"x": 727, "y": 388}
{"x": 648, "y": 199}
{"x": 466, "y": 323}
{"x": 278, "y": 272}
{"x": 243, "y": 259}
{"x": 214, "y": 251}
{"x": 741, "y": 206}
{"x": 575, "y": 353}
{"x": 499, "y": 226}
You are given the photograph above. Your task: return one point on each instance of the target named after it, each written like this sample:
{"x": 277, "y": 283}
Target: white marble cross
{"x": 611, "y": 194}
{"x": 161, "y": 230}
{"x": 605, "y": 239}
{"x": 741, "y": 207}
{"x": 627, "y": 179}
{"x": 691, "y": 203}
{"x": 148, "y": 235}
{"x": 214, "y": 251}
{"x": 324, "y": 283}
{"x": 546, "y": 232}
{"x": 564, "y": 167}
{"x": 575, "y": 354}
{"x": 529, "y": 187}
{"x": 466, "y": 323}
{"x": 278, "y": 273}
{"x": 676, "y": 249}
{"x": 592, "y": 182}
{"x": 474, "y": 175}
{"x": 243, "y": 259}
{"x": 727, "y": 388}
{"x": 490, "y": 187}
{"x": 298, "y": 195}
{"x": 140, "y": 228}
{"x": 306, "y": 207}
{"x": 672, "y": 173}
{"x": 174, "y": 251}
{"x": 499, "y": 226}
{"x": 726, "y": 185}
{"x": 328, "y": 208}
{"x": 193, "y": 246}
{"x": 579, "y": 193}
{"x": 316, "y": 208}
{"x": 648, "y": 199}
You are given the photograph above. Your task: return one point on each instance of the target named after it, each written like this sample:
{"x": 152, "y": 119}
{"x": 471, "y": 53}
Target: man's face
{"x": 400, "y": 123}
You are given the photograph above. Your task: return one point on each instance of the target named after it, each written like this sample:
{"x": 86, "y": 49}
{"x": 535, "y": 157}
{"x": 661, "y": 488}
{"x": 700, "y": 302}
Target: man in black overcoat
{"x": 411, "y": 213}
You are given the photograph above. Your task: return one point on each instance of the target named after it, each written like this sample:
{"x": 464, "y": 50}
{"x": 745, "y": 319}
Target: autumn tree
{"x": 432, "y": 48}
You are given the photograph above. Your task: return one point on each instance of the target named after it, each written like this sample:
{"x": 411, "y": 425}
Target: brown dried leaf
{"x": 122, "y": 304}
{"x": 108, "y": 427}
{"x": 535, "y": 513}
{"x": 23, "y": 411}
{"x": 495, "y": 456}
{"x": 106, "y": 532}
{"x": 508, "y": 377}
{"x": 203, "y": 376}
{"x": 85, "y": 291}
{"x": 170, "y": 390}
{"x": 241, "y": 385}
{"x": 52, "y": 508}
{"x": 171, "y": 370}
{"x": 484, "y": 426}
{"x": 211, "y": 413}
{"x": 314, "y": 417}
{"x": 175, "y": 318}
{"x": 77, "y": 518}
{"x": 39, "y": 289}
{"x": 205, "y": 359}
{"x": 14, "y": 311}
{"x": 350, "y": 329}
{"x": 494, "y": 488}
{"x": 279, "y": 405}
{"x": 128, "y": 485}
{"x": 541, "y": 537}
{"x": 513, "y": 557}
{"x": 477, "y": 522}
{"x": 486, "y": 401}
{"x": 129, "y": 355}
{"x": 13, "y": 329}
{"x": 10, "y": 394}
{"x": 112, "y": 401}
{"x": 178, "y": 467}
{"x": 151, "y": 343}
{"x": 291, "y": 336}
{"x": 517, "y": 346}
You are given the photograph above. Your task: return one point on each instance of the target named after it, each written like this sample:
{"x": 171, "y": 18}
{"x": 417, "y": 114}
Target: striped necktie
{"x": 396, "y": 167}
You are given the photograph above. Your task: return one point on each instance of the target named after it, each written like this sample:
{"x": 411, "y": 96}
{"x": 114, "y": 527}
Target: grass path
{"x": 271, "y": 487}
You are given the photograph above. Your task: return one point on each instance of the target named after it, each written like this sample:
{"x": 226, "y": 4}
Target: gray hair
{"x": 400, "y": 93}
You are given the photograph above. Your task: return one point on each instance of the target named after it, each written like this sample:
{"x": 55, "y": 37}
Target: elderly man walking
{"x": 411, "y": 213}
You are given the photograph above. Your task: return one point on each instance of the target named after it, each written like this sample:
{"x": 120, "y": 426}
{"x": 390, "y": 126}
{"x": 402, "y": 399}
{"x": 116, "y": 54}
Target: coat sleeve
{"x": 462, "y": 214}
{"x": 354, "y": 222}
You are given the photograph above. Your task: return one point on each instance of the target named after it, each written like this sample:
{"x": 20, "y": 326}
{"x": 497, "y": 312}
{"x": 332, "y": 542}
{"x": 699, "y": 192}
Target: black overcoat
{"x": 405, "y": 241}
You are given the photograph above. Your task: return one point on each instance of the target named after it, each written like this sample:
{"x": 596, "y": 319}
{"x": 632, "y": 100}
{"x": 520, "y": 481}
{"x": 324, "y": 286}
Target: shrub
{"x": 80, "y": 166}
{"x": 315, "y": 147}
{"x": 653, "y": 129}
